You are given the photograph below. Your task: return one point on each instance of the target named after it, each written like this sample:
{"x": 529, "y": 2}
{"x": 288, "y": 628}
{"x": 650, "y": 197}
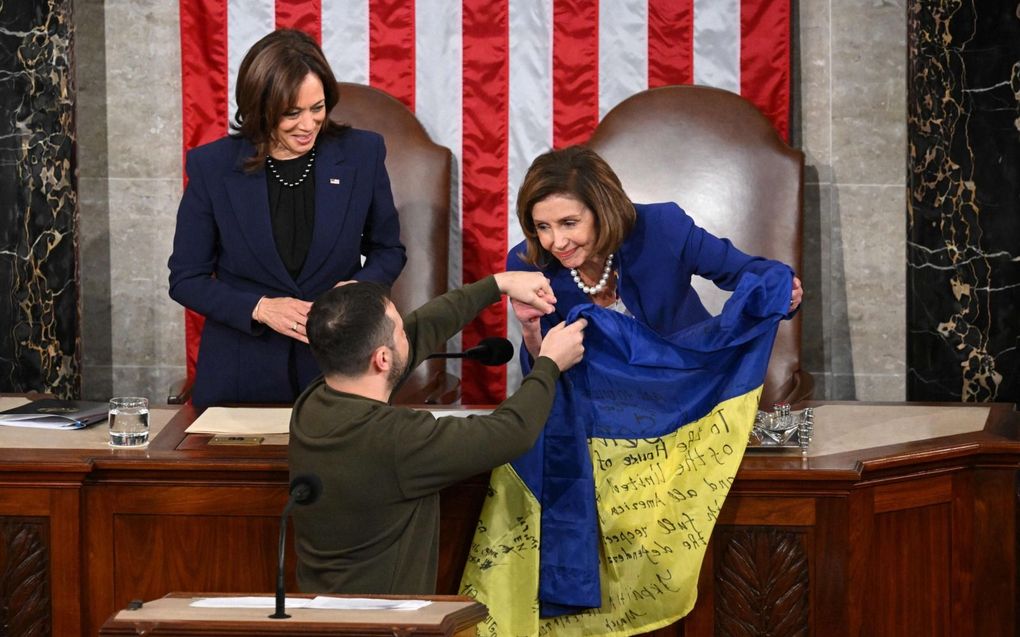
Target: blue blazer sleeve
{"x": 195, "y": 257}
{"x": 702, "y": 253}
{"x": 380, "y": 241}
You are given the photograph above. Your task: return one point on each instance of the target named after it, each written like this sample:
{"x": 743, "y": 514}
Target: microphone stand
{"x": 304, "y": 489}
{"x": 281, "y": 599}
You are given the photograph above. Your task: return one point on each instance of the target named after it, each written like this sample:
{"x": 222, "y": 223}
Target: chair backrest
{"x": 713, "y": 153}
{"x": 419, "y": 171}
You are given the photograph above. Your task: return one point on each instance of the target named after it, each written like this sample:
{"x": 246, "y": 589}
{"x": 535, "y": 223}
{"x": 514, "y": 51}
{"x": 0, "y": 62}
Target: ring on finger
{"x": 294, "y": 326}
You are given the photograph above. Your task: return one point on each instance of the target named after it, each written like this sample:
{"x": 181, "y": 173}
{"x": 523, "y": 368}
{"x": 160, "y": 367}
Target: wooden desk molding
{"x": 912, "y": 537}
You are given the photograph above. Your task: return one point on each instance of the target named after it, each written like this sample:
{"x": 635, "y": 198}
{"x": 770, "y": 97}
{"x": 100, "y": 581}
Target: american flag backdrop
{"x": 497, "y": 82}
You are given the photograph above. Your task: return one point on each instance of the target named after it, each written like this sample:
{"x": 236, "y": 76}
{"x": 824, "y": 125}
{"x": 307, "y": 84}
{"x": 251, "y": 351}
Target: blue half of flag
{"x": 635, "y": 384}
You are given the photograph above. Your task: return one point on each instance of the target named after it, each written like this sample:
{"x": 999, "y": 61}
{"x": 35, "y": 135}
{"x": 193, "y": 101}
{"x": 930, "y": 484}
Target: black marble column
{"x": 39, "y": 281}
{"x": 963, "y": 287}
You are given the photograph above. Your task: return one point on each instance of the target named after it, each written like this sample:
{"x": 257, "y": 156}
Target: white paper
{"x": 242, "y": 421}
{"x": 460, "y": 413}
{"x": 364, "y": 603}
{"x": 248, "y": 602}
{"x": 320, "y": 602}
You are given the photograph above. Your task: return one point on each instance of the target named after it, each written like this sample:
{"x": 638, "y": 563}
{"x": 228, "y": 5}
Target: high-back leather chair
{"x": 713, "y": 153}
{"x": 419, "y": 171}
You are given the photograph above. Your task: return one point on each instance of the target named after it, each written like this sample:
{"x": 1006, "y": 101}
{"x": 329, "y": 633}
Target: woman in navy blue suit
{"x": 274, "y": 214}
{"x": 596, "y": 246}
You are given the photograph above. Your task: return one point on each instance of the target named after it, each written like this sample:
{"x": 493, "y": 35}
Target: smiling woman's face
{"x": 566, "y": 228}
{"x": 300, "y": 125}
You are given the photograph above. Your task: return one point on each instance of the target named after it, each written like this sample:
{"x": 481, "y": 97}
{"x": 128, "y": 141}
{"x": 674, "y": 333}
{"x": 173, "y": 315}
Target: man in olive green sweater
{"x": 375, "y": 529}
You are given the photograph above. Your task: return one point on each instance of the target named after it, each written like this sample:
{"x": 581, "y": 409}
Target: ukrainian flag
{"x": 601, "y": 528}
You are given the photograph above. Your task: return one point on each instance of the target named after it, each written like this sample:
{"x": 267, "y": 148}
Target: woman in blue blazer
{"x": 273, "y": 215}
{"x": 595, "y": 246}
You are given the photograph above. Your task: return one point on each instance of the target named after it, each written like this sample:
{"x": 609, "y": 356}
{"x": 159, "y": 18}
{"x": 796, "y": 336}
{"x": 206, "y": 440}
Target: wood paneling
{"x": 40, "y": 561}
{"x": 147, "y": 541}
{"x": 765, "y": 510}
{"x": 911, "y": 575}
{"x": 762, "y": 583}
{"x": 460, "y": 508}
{"x": 992, "y": 554}
{"x": 913, "y": 494}
{"x": 25, "y": 576}
{"x": 918, "y": 539}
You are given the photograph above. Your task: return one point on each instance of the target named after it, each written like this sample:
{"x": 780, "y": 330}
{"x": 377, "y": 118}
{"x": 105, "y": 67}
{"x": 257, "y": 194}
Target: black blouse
{"x": 292, "y": 208}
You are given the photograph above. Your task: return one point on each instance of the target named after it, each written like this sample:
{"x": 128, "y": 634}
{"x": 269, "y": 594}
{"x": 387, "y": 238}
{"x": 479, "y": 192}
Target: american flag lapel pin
{"x": 334, "y": 181}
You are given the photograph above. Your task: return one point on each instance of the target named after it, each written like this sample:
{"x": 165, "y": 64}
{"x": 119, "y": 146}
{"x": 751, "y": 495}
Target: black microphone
{"x": 304, "y": 489}
{"x": 490, "y": 351}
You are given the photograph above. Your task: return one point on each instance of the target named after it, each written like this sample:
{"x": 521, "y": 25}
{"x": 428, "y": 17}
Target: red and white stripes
{"x": 498, "y": 82}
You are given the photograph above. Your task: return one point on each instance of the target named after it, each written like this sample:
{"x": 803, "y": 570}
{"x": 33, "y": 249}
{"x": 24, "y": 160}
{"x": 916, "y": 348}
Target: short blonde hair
{"x": 577, "y": 172}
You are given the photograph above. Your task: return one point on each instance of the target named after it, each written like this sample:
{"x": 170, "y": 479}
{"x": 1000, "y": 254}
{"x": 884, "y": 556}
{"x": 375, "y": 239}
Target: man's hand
{"x": 285, "y": 315}
{"x": 564, "y": 344}
{"x": 528, "y": 288}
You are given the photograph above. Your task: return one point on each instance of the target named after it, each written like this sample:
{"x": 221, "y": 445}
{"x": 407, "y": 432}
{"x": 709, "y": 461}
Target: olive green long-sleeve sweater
{"x": 375, "y": 528}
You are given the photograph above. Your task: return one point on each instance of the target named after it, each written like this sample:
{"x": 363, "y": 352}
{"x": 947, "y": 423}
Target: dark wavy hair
{"x": 580, "y": 173}
{"x": 268, "y": 82}
{"x": 347, "y": 324}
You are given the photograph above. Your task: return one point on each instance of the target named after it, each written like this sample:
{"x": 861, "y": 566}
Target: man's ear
{"x": 382, "y": 359}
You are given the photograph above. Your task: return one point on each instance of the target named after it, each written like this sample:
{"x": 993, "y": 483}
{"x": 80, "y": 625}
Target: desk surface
{"x": 96, "y": 437}
{"x": 850, "y": 438}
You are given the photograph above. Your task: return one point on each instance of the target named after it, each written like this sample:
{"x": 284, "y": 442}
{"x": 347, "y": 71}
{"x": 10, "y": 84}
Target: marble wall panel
{"x": 851, "y": 98}
{"x": 144, "y": 122}
{"x": 874, "y": 259}
{"x": 148, "y": 323}
{"x": 39, "y": 293}
{"x": 964, "y": 196}
{"x": 134, "y": 335}
{"x": 812, "y": 278}
{"x": 839, "y": 354}
{"x": 868, "y": 91}
{"x": 94, "y": 203}
{"x": 812, "y": 81}
{"x": 143, "y": 76}
{"x": 810, "y": 132}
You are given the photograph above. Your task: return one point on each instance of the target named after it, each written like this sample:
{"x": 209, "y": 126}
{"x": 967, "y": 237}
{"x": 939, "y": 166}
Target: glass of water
{"x": 129, "y": 422}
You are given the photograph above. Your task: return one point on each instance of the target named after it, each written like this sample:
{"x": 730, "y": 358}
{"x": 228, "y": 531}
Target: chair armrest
{"x": 444, "y": 389}
{"x": 440, "y": 389}
{"x": 179, "y": 392}
{"x": 803, "y": 388}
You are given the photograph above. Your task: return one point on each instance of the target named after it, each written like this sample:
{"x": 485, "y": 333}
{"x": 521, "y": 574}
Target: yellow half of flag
{"x": 657, "y": 500}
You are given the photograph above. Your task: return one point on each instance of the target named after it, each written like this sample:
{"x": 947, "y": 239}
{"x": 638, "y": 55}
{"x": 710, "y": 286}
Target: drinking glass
{"x": 129, "y": 422}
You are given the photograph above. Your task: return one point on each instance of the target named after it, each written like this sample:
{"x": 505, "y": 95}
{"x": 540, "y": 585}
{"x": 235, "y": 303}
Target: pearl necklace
{"x": 603, "y": 280}
{"x": 304, "y": 175}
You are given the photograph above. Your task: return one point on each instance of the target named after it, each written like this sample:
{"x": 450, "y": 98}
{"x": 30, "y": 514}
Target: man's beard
{"x": 397, "y": 370}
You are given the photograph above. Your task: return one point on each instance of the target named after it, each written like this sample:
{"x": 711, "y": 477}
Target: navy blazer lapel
{"x": 249, "y": 198}
{"x": 334, "y": 182}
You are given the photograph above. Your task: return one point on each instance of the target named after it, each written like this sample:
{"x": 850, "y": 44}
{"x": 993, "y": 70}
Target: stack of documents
{"x": 51, "y": 413}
